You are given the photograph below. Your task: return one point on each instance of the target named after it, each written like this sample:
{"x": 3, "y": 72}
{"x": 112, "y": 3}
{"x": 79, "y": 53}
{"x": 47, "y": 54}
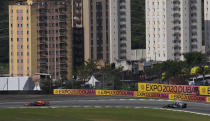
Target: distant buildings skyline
{"x": 173, "y": 27}
{"x": 55, "y": 37}
{"x": 41, "y": 38}
{"x": 61, "y": 35}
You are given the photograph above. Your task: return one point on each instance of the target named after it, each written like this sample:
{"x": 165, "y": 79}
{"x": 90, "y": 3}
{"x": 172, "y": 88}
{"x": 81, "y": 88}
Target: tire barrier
{"x": 148, "y": 90}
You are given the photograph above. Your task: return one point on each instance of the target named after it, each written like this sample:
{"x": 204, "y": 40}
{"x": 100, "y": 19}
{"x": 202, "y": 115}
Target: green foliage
{"x": 170, "y": 68}
{"x": 179, "y": 70}
{"x": 4, "y": 68}
{"x": 138, "y": 24}
{"x": 85, "y": 71}
{"x": 4, "y": 32}
{"x": 194, "y": 59}
{"x": 108, "y": 76}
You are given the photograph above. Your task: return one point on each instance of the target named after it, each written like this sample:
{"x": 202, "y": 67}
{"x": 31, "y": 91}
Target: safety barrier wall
{"x": 74, "y": 92}
{"x": 115, "y": 92}
{"x": 163, "y": 88}
{"x": 148, "y": 90}
{"x": 204, "y": 90}
{"x": 151, "y": 95}
{"x": 184, "y": 97}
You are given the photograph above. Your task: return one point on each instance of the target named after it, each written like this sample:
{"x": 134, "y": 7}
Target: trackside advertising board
{"x": 143, "y": 94}
{"x": 184, "y": 97}
{"x": 115, "y": 92}
{"x": 204, "y": 90}
{"x": 208, "y": 99}
{"x": 74, "y": 92}
{"x": 151, "y": 95}
{"x": 164, "y": 88}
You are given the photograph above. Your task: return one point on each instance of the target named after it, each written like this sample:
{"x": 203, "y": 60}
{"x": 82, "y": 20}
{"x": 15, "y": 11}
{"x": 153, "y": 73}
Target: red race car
{"x": 39, "y": 103}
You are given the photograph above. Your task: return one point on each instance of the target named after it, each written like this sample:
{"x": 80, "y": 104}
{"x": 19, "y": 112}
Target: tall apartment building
{"x": 77, "y": 33}
{"x": 22, "y": 44}
{"x": 120, "y": 30}
{"x": 96, "y": 29}
{"x": 107, "y": 29}
{"x": 207, "y": 25}
{"x": 41, "y": 38}
{"x": 173, "y": 27}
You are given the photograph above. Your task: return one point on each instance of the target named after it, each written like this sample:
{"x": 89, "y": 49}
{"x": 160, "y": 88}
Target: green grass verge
{"x": 97, "y": 114}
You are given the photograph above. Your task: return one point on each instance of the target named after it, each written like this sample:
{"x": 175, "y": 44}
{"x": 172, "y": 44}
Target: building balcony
{"x": 177, "y": 47}
{"x": 177, "y": 28}
{"x": 177, "y": 15}
{"x": 176, "y": 8}
{"x": 177, "y": 34}
{"x": 177, "y": 41}
{"x": 194, "y": 40}
{"x": 194, "y": 46}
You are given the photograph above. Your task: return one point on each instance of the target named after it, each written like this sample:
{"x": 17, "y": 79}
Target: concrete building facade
{"x": 107, "y": 30}
{"x": 173, "y": 27}
{"x": 207, "y": 25}
{"x": 77, "y": 33}
{"x": 120, "y": 30}
{"x": 22, "y": 44}
{"x": 41, "y": 38}
{"x": 96, "y": 29}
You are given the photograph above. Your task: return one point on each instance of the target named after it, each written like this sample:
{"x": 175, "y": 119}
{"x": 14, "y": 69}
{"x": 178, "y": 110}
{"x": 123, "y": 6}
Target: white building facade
{"x": 173, "y": 27}
{"x": 120, "y": 30}
{"x": 207, "y": 25}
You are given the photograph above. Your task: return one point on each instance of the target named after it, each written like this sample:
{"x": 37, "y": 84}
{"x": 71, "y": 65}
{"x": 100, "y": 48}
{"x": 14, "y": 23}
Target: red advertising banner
{"x": 74, "y": 92}
{"x": 193, "y": 98}
{"x": 151, "y": 95}
{"x": 115, "y": 92}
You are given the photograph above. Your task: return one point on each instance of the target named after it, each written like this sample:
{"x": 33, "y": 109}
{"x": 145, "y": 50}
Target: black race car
{"x": 39, "y": 103}
{"x": 176, "y": 105}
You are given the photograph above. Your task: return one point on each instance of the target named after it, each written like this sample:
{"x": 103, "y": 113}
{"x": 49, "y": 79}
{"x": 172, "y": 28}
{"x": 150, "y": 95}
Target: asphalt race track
{"x": 18, "y": 101}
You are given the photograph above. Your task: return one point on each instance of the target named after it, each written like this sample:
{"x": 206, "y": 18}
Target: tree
{"x": 86, "y": 70}
{"x": 194, "y": 59}
{"x": 168, "y": 68}
{"x": 203, "y": 70}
